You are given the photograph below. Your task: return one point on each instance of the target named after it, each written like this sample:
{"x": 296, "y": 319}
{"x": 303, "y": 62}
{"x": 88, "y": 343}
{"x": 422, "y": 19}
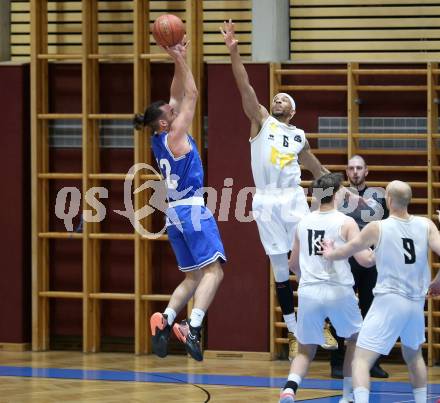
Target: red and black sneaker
{"x": 160, "y": 329}
{"x": 190, "y": 336}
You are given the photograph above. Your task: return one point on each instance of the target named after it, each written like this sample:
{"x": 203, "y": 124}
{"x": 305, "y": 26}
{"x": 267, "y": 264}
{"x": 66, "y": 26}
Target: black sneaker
{"x": 160, "y": 329}
{"x": 190, "y": 336}
{"x": 336, "y": 372}
{"x": 378, "y": 372}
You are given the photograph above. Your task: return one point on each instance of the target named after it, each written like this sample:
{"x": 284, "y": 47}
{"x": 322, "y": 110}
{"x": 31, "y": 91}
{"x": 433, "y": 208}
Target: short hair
{"x": 149, "y": 117}
{"x": 400, "y": 193}
{"x": 359, "y": 158}
{"x": 325, "y": 187}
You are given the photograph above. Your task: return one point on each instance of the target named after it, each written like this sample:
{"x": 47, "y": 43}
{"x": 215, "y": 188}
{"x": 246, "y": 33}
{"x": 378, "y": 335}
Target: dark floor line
{"x": 208, "y": 395}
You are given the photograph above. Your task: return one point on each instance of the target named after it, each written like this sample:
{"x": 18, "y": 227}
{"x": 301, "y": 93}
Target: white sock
{"x": 347, "y": 385}
{"x": 361, "y": 395}
{"x": 420, "y": 395}
{"x": 196, "y": 317}
{"x": 290, "y": 321}
{"x": 295, "y": 378}
{"x": 171, "y": 315}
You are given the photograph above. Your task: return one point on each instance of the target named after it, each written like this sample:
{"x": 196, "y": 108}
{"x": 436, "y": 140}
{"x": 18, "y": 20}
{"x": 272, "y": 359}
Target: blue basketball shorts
{"x": 194, "y": 237}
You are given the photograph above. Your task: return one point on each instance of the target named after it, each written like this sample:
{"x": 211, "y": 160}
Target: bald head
{"x": 357, "y": 159}
{"x": 400, "y": 194}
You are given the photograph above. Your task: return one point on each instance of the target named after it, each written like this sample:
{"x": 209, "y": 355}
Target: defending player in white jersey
{"x": 325, "y": 288}
{"x": 401, "y": 245}
{"x": 277, "y": 148}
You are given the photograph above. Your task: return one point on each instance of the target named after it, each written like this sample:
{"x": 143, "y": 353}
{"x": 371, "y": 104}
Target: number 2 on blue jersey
{"x": 166, "y": 166}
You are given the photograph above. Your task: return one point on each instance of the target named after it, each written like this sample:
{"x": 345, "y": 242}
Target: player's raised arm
{"x": 177, "y": 90}
{"x": 177, "y": 139}
{"x": 252, "y": 108}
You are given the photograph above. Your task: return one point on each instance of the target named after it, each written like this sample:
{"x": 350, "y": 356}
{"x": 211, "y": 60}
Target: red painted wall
{"x": 15, "y": 223}
{"x": 241, "y": 307}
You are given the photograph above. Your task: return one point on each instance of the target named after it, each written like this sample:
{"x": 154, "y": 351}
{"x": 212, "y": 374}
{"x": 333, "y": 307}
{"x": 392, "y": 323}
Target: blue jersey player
{"x": 191, "y": 228}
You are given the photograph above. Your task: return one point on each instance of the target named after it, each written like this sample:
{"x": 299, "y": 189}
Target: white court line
{"x": 392, "y": 393}
{"x": 405, "y": 401}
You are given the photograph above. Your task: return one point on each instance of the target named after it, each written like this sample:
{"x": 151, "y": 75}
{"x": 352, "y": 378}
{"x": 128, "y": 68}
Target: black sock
{"x": 285, "y": 297}
{"x": 291, "y": 385}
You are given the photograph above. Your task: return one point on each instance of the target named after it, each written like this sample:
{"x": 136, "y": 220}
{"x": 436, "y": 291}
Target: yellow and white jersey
{"x": 274, "y": 155}
{"x": 402, "y": 257}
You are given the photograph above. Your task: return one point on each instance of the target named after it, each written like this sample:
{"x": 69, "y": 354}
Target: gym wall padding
{"x": 15, "y": 216}
{"x": 238, "y": 319}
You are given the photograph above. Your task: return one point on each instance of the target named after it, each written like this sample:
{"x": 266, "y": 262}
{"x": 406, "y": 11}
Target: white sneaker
{"x": 349, "y": 400}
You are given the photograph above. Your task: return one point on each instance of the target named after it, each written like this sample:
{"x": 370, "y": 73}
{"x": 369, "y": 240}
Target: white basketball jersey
{"x": 314, "y": 268}
{"x": 402, "y": 257}
{"x": 274, "y": 154}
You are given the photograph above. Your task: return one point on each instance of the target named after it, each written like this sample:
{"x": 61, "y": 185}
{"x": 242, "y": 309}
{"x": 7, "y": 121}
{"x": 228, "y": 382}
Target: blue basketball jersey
{"x": 183, "y": 175}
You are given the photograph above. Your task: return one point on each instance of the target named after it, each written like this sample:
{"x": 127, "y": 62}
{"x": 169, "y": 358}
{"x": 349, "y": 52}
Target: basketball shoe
{"x": 190, "y": 336}
{"x": 160, "y": 329}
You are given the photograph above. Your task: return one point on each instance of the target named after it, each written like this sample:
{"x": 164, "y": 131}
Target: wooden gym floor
{"x": 115, "y": 377}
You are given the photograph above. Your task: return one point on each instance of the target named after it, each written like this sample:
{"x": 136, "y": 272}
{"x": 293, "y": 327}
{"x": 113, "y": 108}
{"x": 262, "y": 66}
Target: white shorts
{"x": 319, "y": 301}
{"x": 391, "y": 316}
{"x": 277, "y": 213}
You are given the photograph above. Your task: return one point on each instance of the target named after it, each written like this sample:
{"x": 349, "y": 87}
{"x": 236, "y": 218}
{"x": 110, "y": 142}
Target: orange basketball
{"x": 168, "y": 30}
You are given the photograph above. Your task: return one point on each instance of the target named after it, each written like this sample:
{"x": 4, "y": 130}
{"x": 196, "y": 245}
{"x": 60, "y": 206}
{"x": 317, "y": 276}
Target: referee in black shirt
{"x": 370, "y": 207}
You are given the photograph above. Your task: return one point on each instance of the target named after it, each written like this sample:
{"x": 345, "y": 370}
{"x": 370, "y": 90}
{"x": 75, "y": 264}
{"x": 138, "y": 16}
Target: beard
{"x": 279, "y": 114}
{"x": 357, "y": 181}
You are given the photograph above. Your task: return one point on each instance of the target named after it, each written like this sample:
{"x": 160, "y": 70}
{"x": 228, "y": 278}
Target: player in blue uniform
{"x": 191, "y": 228}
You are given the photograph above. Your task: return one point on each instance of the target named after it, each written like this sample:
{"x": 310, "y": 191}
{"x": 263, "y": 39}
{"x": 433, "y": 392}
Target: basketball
{"x": 168, "y": 30}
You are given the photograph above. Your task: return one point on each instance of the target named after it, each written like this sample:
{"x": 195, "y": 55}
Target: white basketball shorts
{"x": 277, "y": 213}
{"x": 319, "y": 301}
{"x": 392, "y": 316}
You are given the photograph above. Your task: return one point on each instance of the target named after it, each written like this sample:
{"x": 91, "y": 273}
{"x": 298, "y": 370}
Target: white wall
{"x": 270, "y": 30}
